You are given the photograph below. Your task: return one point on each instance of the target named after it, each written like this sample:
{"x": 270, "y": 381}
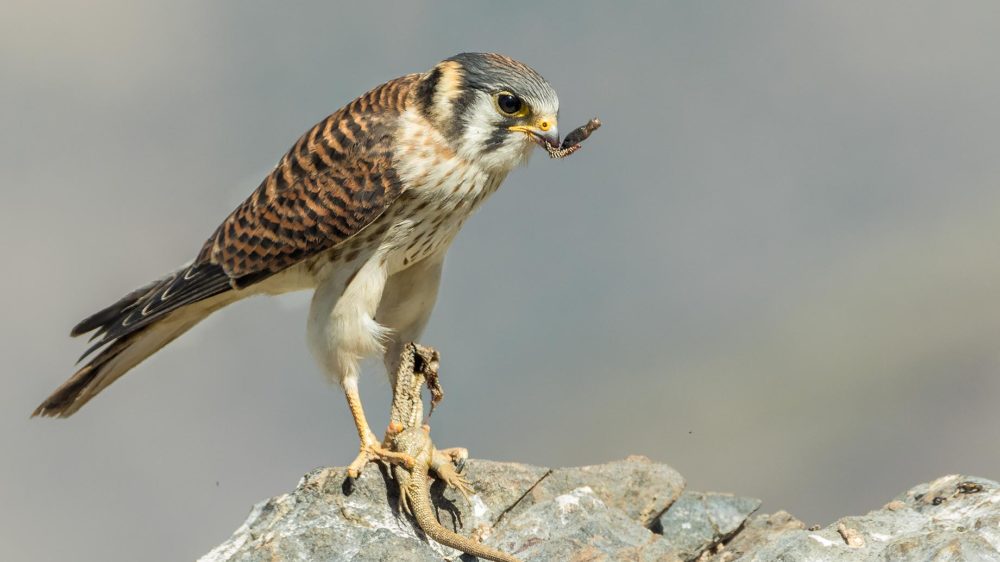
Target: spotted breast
{"x": 442, "y": 190}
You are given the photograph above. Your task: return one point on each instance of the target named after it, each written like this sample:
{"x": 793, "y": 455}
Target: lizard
{"x": 408, "y": 436}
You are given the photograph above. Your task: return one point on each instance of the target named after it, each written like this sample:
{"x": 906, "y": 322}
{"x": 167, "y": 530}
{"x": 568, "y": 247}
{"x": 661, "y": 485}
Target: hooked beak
{"x": 544, "y": 131}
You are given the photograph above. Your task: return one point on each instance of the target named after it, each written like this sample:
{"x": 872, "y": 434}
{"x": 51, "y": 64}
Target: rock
{"x": 601, "y": 513}
{"x": 324, "y": 519}
{"x": 384, "y": 546}
{"x": 696, "y": 522}
{"x": 497, "y": 485}
{"x": 319, "y": 521}
{"x": 638, "y": 486}
{"x": 953, "y": 518}
{"x": 757, "y": 532}
{"x": 579, "y": 526}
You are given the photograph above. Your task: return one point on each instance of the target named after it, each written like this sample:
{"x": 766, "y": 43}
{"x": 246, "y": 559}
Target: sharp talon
{"x": 373, "y": 451}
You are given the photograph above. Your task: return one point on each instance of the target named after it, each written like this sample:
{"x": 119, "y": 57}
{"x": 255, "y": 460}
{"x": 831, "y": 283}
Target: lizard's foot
{"x": 458, "y": 456}
{"x": 372, "y": 450}
{"x": 406, "y": 500}
{"x": 446, "y": 472}
{"x": 457, "y": 481}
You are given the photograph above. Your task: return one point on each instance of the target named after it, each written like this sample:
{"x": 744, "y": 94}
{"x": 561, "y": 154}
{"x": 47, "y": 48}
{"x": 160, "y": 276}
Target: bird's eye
{"x": 509, "y": 104}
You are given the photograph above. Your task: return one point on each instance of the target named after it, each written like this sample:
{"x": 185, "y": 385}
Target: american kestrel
{"x": 362, "y": 210}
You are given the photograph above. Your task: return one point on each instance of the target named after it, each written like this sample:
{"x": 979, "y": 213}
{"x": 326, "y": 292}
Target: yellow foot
{"x": 371, "y": 450}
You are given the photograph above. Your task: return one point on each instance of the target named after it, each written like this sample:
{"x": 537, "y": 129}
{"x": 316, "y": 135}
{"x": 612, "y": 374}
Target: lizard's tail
{"x": 430, "y": 525}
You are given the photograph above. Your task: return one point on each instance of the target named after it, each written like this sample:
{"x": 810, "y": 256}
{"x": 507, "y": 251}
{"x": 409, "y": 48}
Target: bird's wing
{"x": 334, "y": 182}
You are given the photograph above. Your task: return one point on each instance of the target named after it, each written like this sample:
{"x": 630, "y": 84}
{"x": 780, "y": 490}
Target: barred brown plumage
{"x": 305, "y": 206}
{"x": 362, "y": 209}
{"x": 300, "y": 209}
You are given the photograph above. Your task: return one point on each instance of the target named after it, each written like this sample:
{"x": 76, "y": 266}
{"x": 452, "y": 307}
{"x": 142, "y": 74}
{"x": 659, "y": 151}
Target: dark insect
{"x": 571, "y": 143}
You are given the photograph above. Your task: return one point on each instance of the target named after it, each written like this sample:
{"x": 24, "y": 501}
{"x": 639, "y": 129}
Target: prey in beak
{"x": 543, "y": 131}
{"x": 571, "y": 143}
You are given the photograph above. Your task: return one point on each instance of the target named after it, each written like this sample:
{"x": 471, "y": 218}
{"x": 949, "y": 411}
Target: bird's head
{"x": 490, "y": 108}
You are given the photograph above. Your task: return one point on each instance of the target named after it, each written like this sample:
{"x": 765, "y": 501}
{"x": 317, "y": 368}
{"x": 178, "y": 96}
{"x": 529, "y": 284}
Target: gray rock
{"x": 497, "y": 487}
{"x": 319, "y": 520}
{"x": 384, "y": 546}
{"x": 324, "y": 519}
{"x": 758, "y": 532}
{"x": 953, "y": 518}
{"x": 537, "y": 514}
{"x": 697, "y": 522}
{"x": 579, "y": 526}
{"x": 639, "y": 487}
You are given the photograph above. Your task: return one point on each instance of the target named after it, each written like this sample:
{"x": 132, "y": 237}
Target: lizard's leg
{"x": 442, "y": 466}
{"x": 458, "y": 455}
{"x": 371, "y": 448}
{"x": 405, "y": 499}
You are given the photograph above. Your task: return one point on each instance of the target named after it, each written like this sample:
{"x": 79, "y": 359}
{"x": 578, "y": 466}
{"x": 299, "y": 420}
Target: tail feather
{"x": 80, "y": 388}
{"x": 109, "y": 314}
{"x": 117, "y": 359}
{"x": 135, "y": 327}
{"x": 142, "y": 307}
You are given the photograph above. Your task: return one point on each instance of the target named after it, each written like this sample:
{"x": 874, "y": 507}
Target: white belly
{"x": 350, "y": 279}
{"x": 441, "y": 192}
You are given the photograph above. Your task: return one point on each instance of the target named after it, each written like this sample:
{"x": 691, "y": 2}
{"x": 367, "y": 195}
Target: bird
{"x": 361, "y": 210}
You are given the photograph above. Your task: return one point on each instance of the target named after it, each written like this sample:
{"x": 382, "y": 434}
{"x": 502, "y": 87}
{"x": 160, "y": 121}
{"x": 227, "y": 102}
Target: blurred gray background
{"x": 775, "y": 268}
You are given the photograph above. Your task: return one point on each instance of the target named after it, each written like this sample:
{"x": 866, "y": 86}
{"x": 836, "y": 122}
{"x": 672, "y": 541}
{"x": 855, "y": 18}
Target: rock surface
{"x": 579, "y": 526}
{"x": 626, "y": 510}
{"x": 953, "y": 518}
{"x": 698, "y": 522}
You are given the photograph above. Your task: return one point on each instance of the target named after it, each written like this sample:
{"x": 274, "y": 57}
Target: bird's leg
{"x": 371, "y": 448}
